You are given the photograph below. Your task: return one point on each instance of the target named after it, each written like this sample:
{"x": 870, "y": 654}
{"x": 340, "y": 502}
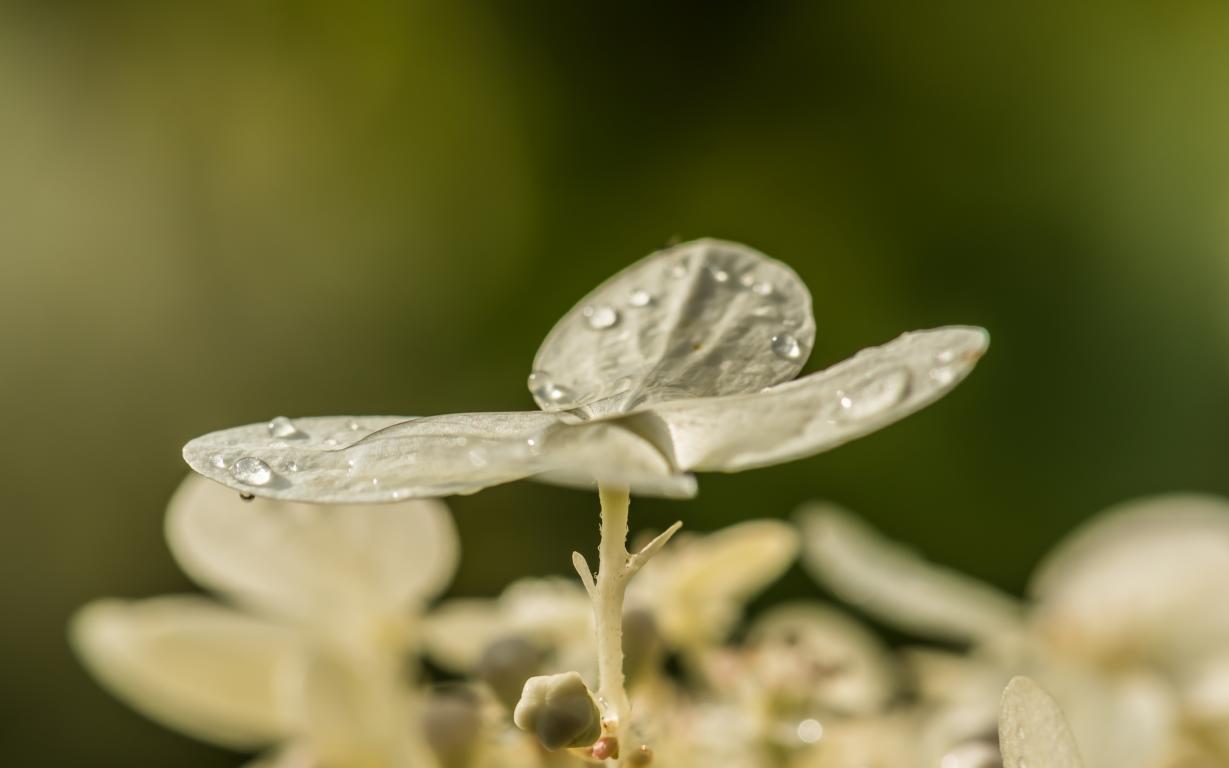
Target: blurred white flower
{"x": 1128, "y": 627}
{"x": 312, "y": 659}
{"x": 682, "y": 362}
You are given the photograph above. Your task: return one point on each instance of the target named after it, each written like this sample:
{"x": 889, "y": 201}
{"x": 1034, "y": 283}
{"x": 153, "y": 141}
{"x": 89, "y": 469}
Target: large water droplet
{"x": 640, "y": 298}
{"x": 284, "y": 428}
{"x": 546, "y": 390}
{"x": 601, "y": 317}
{"x": 251, "y": 471}
{"x": 786, "y": 347}
{"x": 877, "y": 392}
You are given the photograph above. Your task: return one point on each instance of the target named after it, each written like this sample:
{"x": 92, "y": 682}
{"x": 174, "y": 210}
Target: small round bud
{"x": 559, "y": 710}
{"x": 506, "y": 664}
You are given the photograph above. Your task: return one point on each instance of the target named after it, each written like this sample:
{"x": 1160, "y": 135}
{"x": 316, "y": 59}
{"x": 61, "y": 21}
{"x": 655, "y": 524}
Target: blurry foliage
{"x": 218, "y": 213}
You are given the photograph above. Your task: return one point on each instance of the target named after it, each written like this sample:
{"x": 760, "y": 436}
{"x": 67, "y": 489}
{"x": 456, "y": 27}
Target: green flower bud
{"x": 559, "y": 710}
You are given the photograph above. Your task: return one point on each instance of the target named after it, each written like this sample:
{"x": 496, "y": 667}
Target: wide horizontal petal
{"x": 897, "y": 586}
{"x": 871, "y": 390}
{"x": 1143, "y": 579}
{"x": 192, "y": 665}
{"x": 697, "y": 588}
{"x": 1032, "y": 730}
{"x": 391, "y": 459}
{"x": 700, "y": 319}
{"x": 313, "y": 562}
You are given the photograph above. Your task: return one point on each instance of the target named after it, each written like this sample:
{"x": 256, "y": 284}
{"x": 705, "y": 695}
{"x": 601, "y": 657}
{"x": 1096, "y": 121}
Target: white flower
{"x": 312, "y": 657}
{"x": 682, "y": 362}
{"x": 1128, "y": 627}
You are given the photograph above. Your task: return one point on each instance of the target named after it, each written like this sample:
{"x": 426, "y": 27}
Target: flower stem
{"x": 610, "y": 587}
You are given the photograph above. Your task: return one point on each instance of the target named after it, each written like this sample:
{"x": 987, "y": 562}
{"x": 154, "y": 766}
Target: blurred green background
{"x": 211, "y": 214}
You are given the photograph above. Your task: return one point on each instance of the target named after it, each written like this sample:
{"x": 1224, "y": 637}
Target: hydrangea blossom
{"x": 307, "y": 653}
{"x": 682, "y": 362}
{"x": 1126, "y": 627}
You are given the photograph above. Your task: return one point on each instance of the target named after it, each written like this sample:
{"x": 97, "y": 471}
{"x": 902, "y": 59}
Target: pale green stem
{"x": 609, "y": 589}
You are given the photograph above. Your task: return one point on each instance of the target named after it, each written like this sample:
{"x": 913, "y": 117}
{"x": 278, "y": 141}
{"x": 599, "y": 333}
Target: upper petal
{"x": 343, "y": 460}
{"x": 391, "y": 458}
{"x": 192, "y": 665}
{"x": 1032, "y": 730}
{"x": 312, "y": 562}
{"x": 897, "y": 586}
{"x": 695, "y": 320}
{"x": 871, "y": 390}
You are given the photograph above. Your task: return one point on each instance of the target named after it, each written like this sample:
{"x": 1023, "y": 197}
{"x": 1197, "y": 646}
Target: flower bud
{"x": 559, "y": 710}
{"x": 505, "y": 666}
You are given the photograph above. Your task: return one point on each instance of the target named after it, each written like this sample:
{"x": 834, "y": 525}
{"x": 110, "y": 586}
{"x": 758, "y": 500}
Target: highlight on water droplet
{"x": 353, "y": 425}
{"x": 719, "y": 275}
{"x": 251, "y": 471}
{"x": 640, "y": 298}
{"x": 544, "y": 389}
{"x": 875, "y": 393}
{"x": 601, "y": 317}
{"x": 785, "y": 346}
{"x": 285, "y": 429}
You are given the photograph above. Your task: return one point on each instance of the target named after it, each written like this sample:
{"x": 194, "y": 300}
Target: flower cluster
{"x": 327, "y": 647}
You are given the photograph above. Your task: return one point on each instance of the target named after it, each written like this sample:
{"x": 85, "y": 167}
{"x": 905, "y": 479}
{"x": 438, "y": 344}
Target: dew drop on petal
{"x": 353, "y": 425}
{"x": 290, "y": 465}
{"x": 282, "y": 427}
{"x": 546, "y": 390}
{"x": 678, "y": 270}
{"x": 217, "y": 461}
{"x": 943, "y": 375}
{"x": 640, "y": 298}
{"x": 601, "y": 317}
{"x": 878, "y": 392}
{"x": 746, "y": 280}
{"x": 719, "y": 275}
{"x": 786, "y": 346}
{"x": 762, "y": 289}
{"x": 400, "y": 494}
{"x": 251, "y": 471}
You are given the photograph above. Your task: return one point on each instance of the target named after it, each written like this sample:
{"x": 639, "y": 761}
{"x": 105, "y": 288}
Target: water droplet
{"x": 719, "y": 275}
{"x": 746, "y": 279}
{"x": 810, "y": 731}
{"x": 640, "y": 298}
{"x": 353, "y": 425}
{"x": 786, "y": 346}
{"x": 251, "y": 471}
{"x": 762, "y": 289}
{"x": 400, "y": 494}
{"x": 331, "y": 441}
{"x": 217, "y": 461}
{"x": 375, "y": 482}
{"x": 943, "y": 375}
{"x": 946, "y": 356}
{"x": 290, "y": 465}
{"x": 478, "y": 458}
{"x": 601, "y": 317}
{"x": 877, "y": 392}
{"x": 282, "y": 427}
{"x": 678, "y": 270}
{"x": 545, "y": 390}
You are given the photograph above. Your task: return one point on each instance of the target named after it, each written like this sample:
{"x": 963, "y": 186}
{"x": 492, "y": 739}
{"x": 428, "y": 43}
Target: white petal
{"x": 823, "y": 657}
{"x": 457, "y": 632}
{"x": 192, "y": 665}
{"x": 871, "y": 390}
{"x": 897, "y": 586}
{"x": 698, "y": 586}
{"x": 391, "y": 459}
{"x": 1032, "y": 730}
{"x": 387, "y": 458}
{"x": 695, "y": 320}
{"x": 312, "y": 562}
{"x": 1146, "y": 578}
